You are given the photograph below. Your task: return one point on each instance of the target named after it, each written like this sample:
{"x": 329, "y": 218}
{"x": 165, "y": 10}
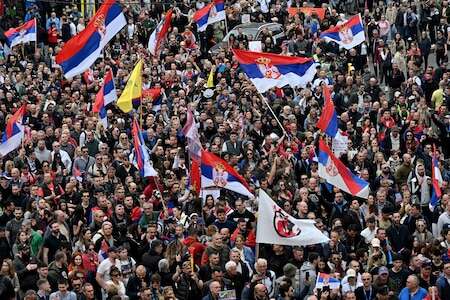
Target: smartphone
{"x": 307, "y": 276}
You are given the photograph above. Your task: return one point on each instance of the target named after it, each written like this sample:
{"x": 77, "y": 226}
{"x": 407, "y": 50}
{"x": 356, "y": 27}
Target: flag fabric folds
{"x": 210, "y": 14}
{"x": 27, "y": 32}
{"x": 275, "y": 226}
{"x": 133, "y": 89}
{"x": 348, "y": 34}
{"x": 336, "y": 173}
{"x": 308, "y": 11}
{"x": 267, "y": 70}
{"x": 217, "y": 173}
{"x": 141, "y": 156}
{"x": 324, "y": 279}
{"x": 81, "y": 51}
{"x": 106, "y": 95}
{"x": 159, "y": 34}
{"x": 155, "y": 95}
{"x": 14, "y": 132}
{"x": 190, "y": 131}
{"x": 436, "y": 182}
{"x": 328, "y": 121}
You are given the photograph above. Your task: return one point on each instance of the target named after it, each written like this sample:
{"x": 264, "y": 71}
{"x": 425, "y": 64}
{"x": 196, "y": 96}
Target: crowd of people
{"x": 79, "y": 222}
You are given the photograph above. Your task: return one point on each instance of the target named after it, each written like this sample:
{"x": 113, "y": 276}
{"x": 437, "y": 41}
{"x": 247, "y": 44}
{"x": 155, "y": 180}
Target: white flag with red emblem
{"x": 275, "y": 226}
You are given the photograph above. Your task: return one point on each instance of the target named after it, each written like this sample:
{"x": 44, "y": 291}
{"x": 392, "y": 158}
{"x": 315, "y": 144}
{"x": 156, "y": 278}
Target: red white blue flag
{"x": 336, "y": 173}
{"x": 348, "y": 34}
{"x": 267, "y": 70}
{"x": 14, "y": 132}
{"x": 141, "y": 156}
{"x": 159, "y": 34}
{"x": 190, "y": 131}
{"x": 81, "y": 51}
{"x": 324, "y": 279}
{"x": 106, "y": 95}
{"x": 328, "y": 121}
{"x": 217, "y": 173}
{"x": 210, "y": 14}
{"x": 27, "y": 32}
{"x": 436, "y": 182}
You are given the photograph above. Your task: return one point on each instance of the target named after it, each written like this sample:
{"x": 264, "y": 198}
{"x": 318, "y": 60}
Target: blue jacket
{"x": 419, "y": 295}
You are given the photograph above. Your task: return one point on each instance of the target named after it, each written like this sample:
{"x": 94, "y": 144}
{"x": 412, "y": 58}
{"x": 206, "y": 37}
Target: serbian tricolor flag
{"x": 217, "y": 173}
{"x": 14, "y": 132}
{"x": 328, "y": 121}
{"x": 159, "y": 34}
{"x": 210, "y": 14}
{"x": 336, "y": 173}
{"x": 141, "y": 156}
{"x": 324, "y": 279}
{"x": 154, "y": 94}
{"x": 267, "y": 70}
{"x": 308, "y": 11}
{"x": 190, "y": 131}
{"x": 81, "y": 51}
{"x": 106, "y": 95}
{"x": 436, "y": 182}
{"x": 103, "y": 252}
{"x": 27, "y": 32}
{"x": 348, "y": 34}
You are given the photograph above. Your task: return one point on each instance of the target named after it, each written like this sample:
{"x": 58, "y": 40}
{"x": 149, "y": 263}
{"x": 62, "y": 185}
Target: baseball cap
{"x": 383, "y": 270}
{"x": 351, "y": 273}
{"x": 375, "y": 242}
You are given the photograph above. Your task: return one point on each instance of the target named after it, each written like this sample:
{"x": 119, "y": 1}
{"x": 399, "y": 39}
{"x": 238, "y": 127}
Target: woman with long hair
{"x": 9, "y": 272}
{"x": 76, "y": 265}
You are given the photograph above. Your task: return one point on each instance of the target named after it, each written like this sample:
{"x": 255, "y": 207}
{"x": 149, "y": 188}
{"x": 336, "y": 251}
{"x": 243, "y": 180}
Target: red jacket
{"x": 250, "y": 238}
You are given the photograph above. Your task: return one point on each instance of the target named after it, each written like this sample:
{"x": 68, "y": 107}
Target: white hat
{"x": 376, "y": 243}
{"x": 351, "y": 273}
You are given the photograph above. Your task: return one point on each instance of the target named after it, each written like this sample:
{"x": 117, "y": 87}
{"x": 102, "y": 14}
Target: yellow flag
{"x": 133, "y": 89}
{"x": 210, "y": 82}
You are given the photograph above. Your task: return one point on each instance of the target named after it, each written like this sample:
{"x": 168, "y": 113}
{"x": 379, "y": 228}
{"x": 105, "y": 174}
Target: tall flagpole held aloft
{"x": 271, "y": 110}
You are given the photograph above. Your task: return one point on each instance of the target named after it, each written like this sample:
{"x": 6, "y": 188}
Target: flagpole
{"x": 226, "y": 24}
{"x": 273, "y": 113}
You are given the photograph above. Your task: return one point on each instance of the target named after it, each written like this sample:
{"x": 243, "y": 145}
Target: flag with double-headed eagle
{"x": 82, "y": 50}
{"x": 217, "y": 173}
{"x": 210, "y": 14}
{"x": 268, "y": 70}
{"x": 348, "y": 34}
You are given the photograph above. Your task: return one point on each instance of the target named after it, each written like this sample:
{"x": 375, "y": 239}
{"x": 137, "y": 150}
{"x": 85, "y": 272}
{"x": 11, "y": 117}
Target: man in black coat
{"x": 366, "y": 291}
{"x": 398, "y": 234}
{"x": 137, "y": 282}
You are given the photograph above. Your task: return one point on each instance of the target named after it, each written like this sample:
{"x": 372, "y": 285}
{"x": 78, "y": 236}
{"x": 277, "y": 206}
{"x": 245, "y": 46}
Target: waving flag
{"x": 218, "y": 173}
{"x": 27, "y": 32}
{"x": 106, "y": 95}
{"x": 14, "y": 132}
{"x": 336, "y": 173}
{"x": 141, "y": 156}
{"x": 81, "y": 51}
{"x": 324, "y": 279}
{"x": 267, "y": 70}
{"x": 88, "y": 76}
{"x": 210, "y": 14}
{"x": 308, "y": 11}
{"x": 133, "y": 89}
{"x": 275, "y": 226}
{"x": 348, "y": 34}
{"x": 328, "y": 121}
{"x": 195, "y": 148}
{"x": 436, "y": 182}
{"x": 154, "y": 94}
{"x": 159, "y": 34}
